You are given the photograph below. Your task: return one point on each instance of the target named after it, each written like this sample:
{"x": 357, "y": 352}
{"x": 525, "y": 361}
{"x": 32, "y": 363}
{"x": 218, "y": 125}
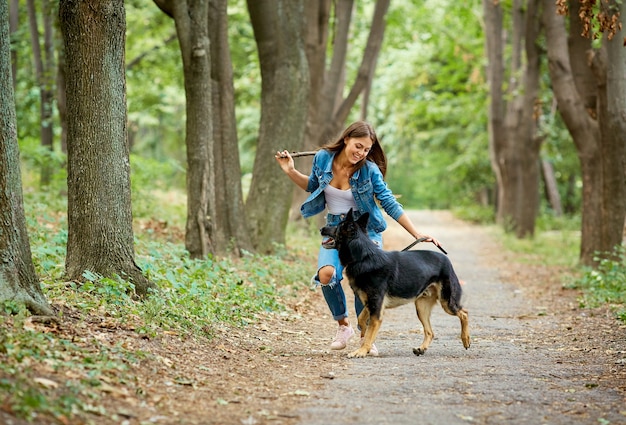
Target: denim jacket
{"x": 367, "y": 185}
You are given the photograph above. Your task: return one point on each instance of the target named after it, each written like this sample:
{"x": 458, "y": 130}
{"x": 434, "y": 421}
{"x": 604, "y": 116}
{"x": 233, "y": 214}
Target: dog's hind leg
{"x": 424, "y": 306}
{"x": 453, "y": 307}
{"x": 464, "y": 318}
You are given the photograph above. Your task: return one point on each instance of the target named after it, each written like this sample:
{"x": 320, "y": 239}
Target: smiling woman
{"x": 347, "y": 174}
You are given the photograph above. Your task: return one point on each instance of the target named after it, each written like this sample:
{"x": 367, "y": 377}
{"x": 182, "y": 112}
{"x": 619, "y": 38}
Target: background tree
{"x": 18, "y": 280}
{"x": 231, "y": 232}
{"x": 192, "y": 20}
{"x": 100, "y": 233}
{"x": 513, "y": 139}
{"x": 14, "y": 22}
{"x": 45, "y": 72}
{"x": 597, "y": 131}
{"x": 278, "y": 30}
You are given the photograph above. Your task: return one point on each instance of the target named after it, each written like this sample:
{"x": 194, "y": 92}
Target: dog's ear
{"x": 362, "y": 221}
{"x": 349, "y": 215}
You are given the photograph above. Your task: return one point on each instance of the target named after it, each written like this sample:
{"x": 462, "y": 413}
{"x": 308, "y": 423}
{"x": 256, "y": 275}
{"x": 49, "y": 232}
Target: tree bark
{"x": 601, "y": 153}
{"x": 278, "y": 26}
{"x": 18, "y": 280}
{"x": 100, "y": 233}
{"x": 613, "y": 136}
{"x": 552, "y": 192}
{"x": 14, "y": 23}
{"x": 192, "y": 20}
{"x": 230, "y": 231}
{"x": 514, "y": 146}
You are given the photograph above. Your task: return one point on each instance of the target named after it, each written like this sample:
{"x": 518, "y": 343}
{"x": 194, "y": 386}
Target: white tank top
{"x": 339, "y": 201}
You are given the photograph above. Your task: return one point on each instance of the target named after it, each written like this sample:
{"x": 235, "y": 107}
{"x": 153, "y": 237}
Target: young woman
{"x": 347, "y": 173}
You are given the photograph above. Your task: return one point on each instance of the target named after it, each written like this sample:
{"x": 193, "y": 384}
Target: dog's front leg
{"x": 371, "y": 330}
{"x": 363, "y": 318}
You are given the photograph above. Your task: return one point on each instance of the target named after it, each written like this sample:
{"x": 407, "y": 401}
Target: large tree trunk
{"x": 18, "y": 280}
{"x": 278, "y": 26}
{"x": 230, "y": 230}
{"x": 44, "y": 68}
{"x": 192, "y": 21}
{"x": 100, "y": 233}
{"x": 613, "y": 138}
{"x": 514, "y": 146}
{"x": 601, "y": 153}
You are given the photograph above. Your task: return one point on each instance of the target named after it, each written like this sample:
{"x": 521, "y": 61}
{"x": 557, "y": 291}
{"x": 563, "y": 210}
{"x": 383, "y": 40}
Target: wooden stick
{"x": 298, "y": 154}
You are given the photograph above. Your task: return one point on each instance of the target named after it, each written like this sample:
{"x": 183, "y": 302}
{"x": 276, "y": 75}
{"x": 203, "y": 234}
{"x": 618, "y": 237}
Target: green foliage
{"x": 430, "y": 107}
{"x": 605, "y": 284}
{"x": 155, "y": 184}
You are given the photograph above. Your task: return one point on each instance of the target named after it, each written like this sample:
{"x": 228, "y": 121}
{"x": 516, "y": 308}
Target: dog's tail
{"x": 451, "y": 292}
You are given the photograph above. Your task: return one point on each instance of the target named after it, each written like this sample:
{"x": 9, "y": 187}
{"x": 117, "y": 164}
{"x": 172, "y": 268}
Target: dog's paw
{"x": 466, "y": 341}
{"x": 360, "y": 353}
{"x": 418, "y": 351}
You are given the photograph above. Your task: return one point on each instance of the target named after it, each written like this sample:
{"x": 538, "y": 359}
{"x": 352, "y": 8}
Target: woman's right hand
{"x": 285, "y": 160}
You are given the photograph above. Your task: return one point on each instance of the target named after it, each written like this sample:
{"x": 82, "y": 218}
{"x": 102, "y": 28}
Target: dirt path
{"x": 535, "y": 358}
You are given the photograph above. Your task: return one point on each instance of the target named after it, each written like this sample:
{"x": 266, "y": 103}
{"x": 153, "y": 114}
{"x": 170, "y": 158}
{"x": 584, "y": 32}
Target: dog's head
{"x": 341, "y": 234}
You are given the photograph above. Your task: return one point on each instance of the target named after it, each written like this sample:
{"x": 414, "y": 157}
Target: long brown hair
{"x": 361, "y": 129}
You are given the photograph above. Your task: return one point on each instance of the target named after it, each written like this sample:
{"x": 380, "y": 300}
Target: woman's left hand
{"x": 429, "y": 239}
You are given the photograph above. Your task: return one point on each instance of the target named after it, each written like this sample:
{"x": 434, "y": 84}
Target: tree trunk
{"x": 514, "y": 145}
{"x": 62, "y": 98}
{"x": 613, "y": 138}
{"x": 100, "y": 233}
{"x": 494, "y": 46}
{"x": 230, "y": 230}
{"x": 44, "y": 68}
{"x": 18, "y": 280}
{"x": 552, "y": 192}
{"x": 14, "y": 23}
{"x": 601, "y": 153}
{"x": 192, "y": 21}
{"x": 278, "y": 26}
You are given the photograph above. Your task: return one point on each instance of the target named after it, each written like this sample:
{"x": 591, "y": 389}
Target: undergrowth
{"x": 556, "y": 244}
{"x": 59, "y": 371}
{"x": 605, "y": 284}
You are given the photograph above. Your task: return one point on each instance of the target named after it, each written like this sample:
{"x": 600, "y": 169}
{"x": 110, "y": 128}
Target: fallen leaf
{"x": 45, "y": 382}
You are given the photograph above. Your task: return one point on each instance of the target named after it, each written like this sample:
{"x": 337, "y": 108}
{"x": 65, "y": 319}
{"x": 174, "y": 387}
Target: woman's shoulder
{"x": 323, "y": 153}
{"x": 323, "y": 156}
{"x": 372, "y": 167}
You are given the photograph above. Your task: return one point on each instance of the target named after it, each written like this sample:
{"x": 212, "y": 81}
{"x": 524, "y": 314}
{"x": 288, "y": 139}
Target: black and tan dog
{"x": 388, "y": 279}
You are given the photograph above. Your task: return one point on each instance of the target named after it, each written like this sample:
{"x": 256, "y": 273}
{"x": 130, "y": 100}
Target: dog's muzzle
{"x": 329, "y": 243}
{"x": 329, "y": 237}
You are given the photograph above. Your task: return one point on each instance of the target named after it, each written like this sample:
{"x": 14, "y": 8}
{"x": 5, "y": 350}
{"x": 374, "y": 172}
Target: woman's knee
{"x": 326, "y": 274}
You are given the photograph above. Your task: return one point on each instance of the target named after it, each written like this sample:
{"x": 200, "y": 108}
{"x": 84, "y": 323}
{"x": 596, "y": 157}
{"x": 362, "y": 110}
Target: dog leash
{"x": 422, "y": 240}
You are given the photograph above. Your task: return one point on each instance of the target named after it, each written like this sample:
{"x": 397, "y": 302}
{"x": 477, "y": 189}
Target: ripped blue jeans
{"x": 333, "y": 292}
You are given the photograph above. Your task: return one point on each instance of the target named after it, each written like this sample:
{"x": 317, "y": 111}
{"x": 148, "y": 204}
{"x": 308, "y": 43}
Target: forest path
{"x": 528, "y": 363}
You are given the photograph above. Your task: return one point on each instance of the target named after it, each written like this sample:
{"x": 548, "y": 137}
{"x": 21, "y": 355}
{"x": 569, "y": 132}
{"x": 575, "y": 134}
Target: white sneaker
{"x": 373, "y": 350}
{"x": 344, "y": 333}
